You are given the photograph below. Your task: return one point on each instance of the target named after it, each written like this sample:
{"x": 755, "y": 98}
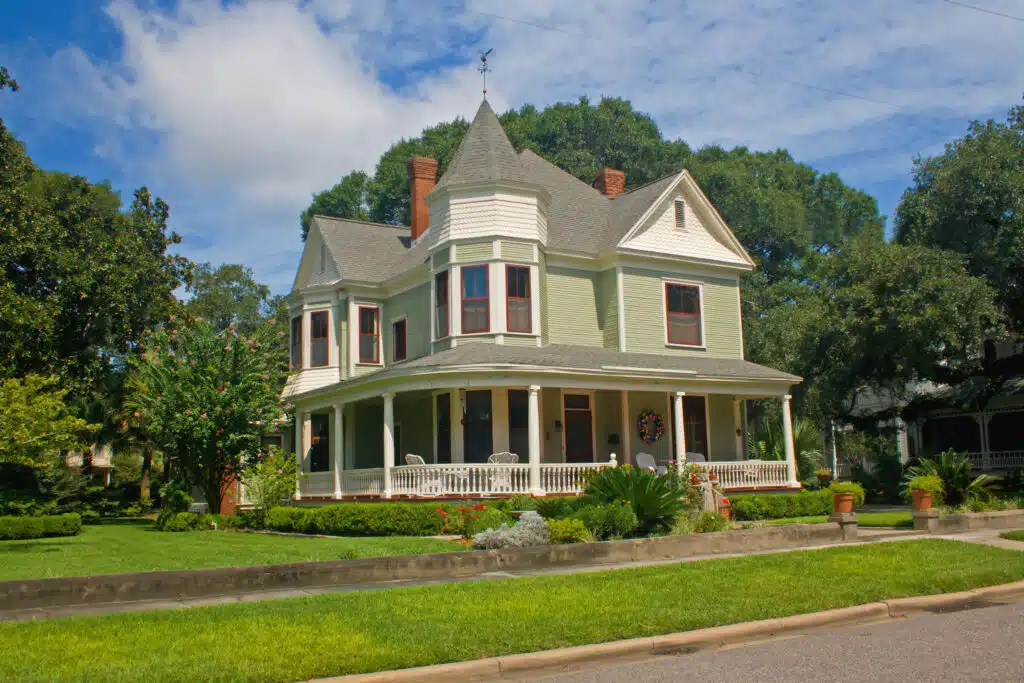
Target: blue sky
{"x": 237, "y": 112}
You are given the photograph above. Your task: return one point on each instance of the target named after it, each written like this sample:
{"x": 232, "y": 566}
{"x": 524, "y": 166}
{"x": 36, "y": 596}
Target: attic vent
{"x": 680, "y": 214}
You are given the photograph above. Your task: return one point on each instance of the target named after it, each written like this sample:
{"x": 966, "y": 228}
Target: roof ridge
{"x": 362, "y": 222}
{"x": 650, "y": 182}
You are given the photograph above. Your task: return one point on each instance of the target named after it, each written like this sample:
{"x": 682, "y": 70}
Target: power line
{"x": 986, "y": 11}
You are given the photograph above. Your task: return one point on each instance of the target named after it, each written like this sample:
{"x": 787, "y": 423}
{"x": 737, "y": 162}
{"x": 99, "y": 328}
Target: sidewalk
{"x": 872, "y": 535}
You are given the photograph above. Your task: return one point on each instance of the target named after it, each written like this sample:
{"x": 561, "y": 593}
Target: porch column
{"x": 787, "y": 435}
{"x": 678, "y": 429}
{"x": 339, "y": 447}
{"x": 300, "y": 427}
{"x": 533, "y": 438}
{"x": 627, "y": 441}
{"x": 737, "y": 416}
{"x": 389, "y": 441}
{"x": 982, "y": 421}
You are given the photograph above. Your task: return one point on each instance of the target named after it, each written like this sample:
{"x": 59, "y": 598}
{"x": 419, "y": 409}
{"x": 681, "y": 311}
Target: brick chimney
{"x": 422, "y": 176}
{"x": 610, "y": 182}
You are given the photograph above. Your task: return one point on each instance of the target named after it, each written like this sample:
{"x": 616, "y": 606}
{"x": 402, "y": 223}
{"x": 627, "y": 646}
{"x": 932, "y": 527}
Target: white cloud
{"x": 256, "y": 105}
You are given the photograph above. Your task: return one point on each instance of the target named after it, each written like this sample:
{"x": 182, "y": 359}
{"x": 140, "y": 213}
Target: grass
{"x": 869, "y": 519}
{"x": 346, "y": 633}
{"x": 134, "y": 546}
{"x": 1017, "y": 535}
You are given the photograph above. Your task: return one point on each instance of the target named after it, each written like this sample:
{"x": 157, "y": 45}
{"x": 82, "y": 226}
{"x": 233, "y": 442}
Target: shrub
{"x": 518, "y": 502}
{"x": 21, "y": 528}
{"x": 270, "y": 481}
{"x": 568, "y": 530}
{"x": 186, "y": 521}
{"x": 554, "y": 507}
{"x": 711, "y": 521}
{"x": 755, "y": 506}
{"x": 530, "y": 530}
{"x": 614, "y": 520}
{"x": 926, "y": 482}
{"x": 959, "y": 484}
{"x": 227, "y": 521}
{"x": 848, "y": 487}
{"x": 286, "y": 519}
{"x": 69, "y": 524}
{"x": 178, "y": 501}
{"x": 489, "y": 518}
{"x": 372, "y": 519}
{"x": 655, "y": 499}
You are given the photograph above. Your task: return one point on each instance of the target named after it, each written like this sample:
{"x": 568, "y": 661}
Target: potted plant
{"x": 923, "y": 489}
{"x": 845, "y": 495}
{"x": 823, "y": 474}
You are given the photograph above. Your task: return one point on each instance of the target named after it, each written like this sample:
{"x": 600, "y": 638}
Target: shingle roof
{"x": 581, "y": 358}
{"x": 368, "y": 252}
{"x": 627, "y": 208}
{"x": 485, "y": 155}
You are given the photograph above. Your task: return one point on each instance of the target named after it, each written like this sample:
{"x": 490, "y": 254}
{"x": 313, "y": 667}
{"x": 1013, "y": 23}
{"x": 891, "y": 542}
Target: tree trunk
{"x": 147, "y": 465}
{"x": 213, "y": 489}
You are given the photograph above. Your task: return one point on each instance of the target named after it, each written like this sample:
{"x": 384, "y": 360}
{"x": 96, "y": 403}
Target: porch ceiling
{"x": 569, "y": 360}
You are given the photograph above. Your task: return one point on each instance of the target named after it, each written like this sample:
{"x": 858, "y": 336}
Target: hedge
{"x": 367, "y": 519}
{"x": 20, "y": 528}
{"x": 754, "y": 506}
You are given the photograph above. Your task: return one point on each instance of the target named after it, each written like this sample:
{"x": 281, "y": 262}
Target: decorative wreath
{"x": 649, "y": 426}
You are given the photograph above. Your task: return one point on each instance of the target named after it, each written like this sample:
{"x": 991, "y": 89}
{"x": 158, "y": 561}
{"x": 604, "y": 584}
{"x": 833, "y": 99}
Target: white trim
{"x": 620, "y": 306}
{"x": 631, "y": 233}
{"x": 665, "y": 282}
{"x": 627, "y": 429}
{"x": 739, "y": 314}
{"x": 592, "y": 394}
{"x": 380, "y": 336}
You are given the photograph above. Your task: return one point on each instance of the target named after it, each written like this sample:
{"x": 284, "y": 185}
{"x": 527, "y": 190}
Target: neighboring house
{"x": 100, "y": 457}
{"x": 522, "y": 311}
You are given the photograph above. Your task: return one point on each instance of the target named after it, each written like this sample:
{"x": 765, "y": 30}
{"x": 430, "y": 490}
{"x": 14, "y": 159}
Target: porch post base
{"x": 847, "y": 522}
{"x": 538, "y": 493}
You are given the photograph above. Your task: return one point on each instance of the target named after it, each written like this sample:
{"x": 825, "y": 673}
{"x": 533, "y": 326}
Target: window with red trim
{"x": 517, "y": 301}
{"x": 296, "y": 342}
{"x": 369, "y": 334}
{"x": 398, "y": 340}
{"x": 441, "y": 304}
{"x": 318, "y": 352}
{"x": 476, "y": 309}
{"x": 682, "y": 314}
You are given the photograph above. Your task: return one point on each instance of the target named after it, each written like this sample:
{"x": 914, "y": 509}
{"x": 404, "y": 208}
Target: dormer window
{"x": 680, "y": 214}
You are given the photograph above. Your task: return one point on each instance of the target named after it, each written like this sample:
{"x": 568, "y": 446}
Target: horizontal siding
{"x": 441, "y": 257}
{"x": 363, "y": 370}
{"x": 609, "y": 310}
{"x": 414, "y": 304}
{"x": 515, "y": 340}
{"x": 415, "y": 414}
{"x": 476, "y": 251}
{"x": 368, "y": 424}
{"x": 489, "y": 214}
{"x": 543, "y": 293}
{"x": 477, "y": 339}
{"x": 572, "y": 312}
{"x": 721, "y": 427}
{"x": 645, "y": 316}
{"x": 658, "y": 402}
{"x": 517, "y": 251}
{"x": 310, "y": 379}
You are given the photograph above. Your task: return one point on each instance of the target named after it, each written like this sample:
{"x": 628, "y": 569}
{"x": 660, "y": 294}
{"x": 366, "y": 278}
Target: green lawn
{"x": 873, "y": 519}
{"x": 134, "y": 546}
{"x": 1017, "y": 535}
{"x": 345, "y": 633}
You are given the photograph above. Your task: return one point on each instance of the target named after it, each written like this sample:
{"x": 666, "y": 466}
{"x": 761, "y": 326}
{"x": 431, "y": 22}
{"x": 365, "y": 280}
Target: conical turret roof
{"x": 485, "y": 155}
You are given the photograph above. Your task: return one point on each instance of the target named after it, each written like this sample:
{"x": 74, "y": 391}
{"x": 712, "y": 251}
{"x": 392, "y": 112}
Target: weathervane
{"x": 483, "y": 68}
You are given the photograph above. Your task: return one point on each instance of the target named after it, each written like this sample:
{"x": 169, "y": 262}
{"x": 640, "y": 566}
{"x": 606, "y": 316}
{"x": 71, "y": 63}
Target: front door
{"x": 579, "y": 428}
{"x": 477, "y": 440}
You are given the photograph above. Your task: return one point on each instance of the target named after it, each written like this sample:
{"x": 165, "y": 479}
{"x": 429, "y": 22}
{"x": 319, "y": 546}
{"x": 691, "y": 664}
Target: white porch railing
{"x": 997, "y": 460}
{"x": 317, "y": 484}
{"x": 460, "y": 480}
{"x": 566, "y": 477}
{"x": 741, "y": 474}
{"x": 368, "y": 482}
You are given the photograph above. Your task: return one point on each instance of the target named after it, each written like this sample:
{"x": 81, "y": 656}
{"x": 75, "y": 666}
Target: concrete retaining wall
{"x": 199, "y": 583}
{"x": 935, "y": 523}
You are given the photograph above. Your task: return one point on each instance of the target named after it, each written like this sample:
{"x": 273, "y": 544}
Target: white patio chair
{"x": 430, "y": 483}
{"x": 501, "y": 479}
{"x": 695, "y": 457}
{"x": 647, "y": 462}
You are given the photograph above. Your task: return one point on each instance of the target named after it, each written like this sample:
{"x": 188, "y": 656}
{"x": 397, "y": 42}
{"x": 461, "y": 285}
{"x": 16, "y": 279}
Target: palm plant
{"x": 656, "y": 500}
{"x": 959, "y": 483}
{"x": 768, "y": 443}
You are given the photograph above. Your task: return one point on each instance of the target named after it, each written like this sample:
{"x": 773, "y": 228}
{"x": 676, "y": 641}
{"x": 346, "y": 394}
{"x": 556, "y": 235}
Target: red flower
{"x": 462, "y": 510}
{"x": 725, "y": 501}
{"x": 478, "y": 507}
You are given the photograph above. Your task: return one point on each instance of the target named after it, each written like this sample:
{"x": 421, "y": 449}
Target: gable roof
{"x": 368, "y": 252}
{"x": 484, "y": 156}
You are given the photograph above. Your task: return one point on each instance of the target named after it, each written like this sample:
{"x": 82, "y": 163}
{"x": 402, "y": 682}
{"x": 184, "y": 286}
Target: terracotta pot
{"x": 921, "y": 500}
{"x": 842, "y": 502}
{"x": 823, "y": 478}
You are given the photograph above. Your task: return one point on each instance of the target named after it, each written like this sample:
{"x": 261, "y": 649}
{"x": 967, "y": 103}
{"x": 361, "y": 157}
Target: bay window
{"x": 683, "y": 314}
{"x": 369, "y": 334}
{"x": 517, "y": 306}
{"x": 441, "y": 305}
{"x": 476, "y": 310}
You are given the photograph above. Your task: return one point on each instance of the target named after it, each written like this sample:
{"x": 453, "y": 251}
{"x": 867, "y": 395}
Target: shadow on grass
{"x": 32, "y": 546}
{"x": 121, "y": 521}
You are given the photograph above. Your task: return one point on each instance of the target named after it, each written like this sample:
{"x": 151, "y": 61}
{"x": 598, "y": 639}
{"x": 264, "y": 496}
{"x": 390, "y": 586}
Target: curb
{"x": 565, "y": 659}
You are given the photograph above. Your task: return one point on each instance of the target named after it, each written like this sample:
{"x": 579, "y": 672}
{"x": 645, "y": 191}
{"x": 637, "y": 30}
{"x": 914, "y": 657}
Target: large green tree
{"x": 206, "y": 396}
{"x": 35, "y": 425}
{"x": 970, "y": 199}
{"x": 226, "y": 294}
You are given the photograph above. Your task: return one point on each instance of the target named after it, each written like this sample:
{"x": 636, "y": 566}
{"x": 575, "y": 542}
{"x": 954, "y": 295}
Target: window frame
{"x": 528, "y": 299}
{"x": 326, "y": 338}
{"x": 405, "y": 339}
{"x": 486, "y": 299}
{"x": 360, "y": 334}
{"x": 438, "y": 334}
{"x": 296, "y": 342}
{"x": 699, "y": 315}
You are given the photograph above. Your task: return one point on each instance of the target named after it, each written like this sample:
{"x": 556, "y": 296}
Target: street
{"x": 982, "y": 644}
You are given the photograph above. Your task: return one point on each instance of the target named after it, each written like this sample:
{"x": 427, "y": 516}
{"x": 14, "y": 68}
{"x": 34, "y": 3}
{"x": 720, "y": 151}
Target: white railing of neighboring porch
{"x": 997, "y": 460}
{"x": 742, "y": 474}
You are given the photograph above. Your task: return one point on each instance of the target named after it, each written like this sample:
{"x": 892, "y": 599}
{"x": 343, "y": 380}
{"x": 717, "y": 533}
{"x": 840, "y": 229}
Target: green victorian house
{"x": 526, "y": 327}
